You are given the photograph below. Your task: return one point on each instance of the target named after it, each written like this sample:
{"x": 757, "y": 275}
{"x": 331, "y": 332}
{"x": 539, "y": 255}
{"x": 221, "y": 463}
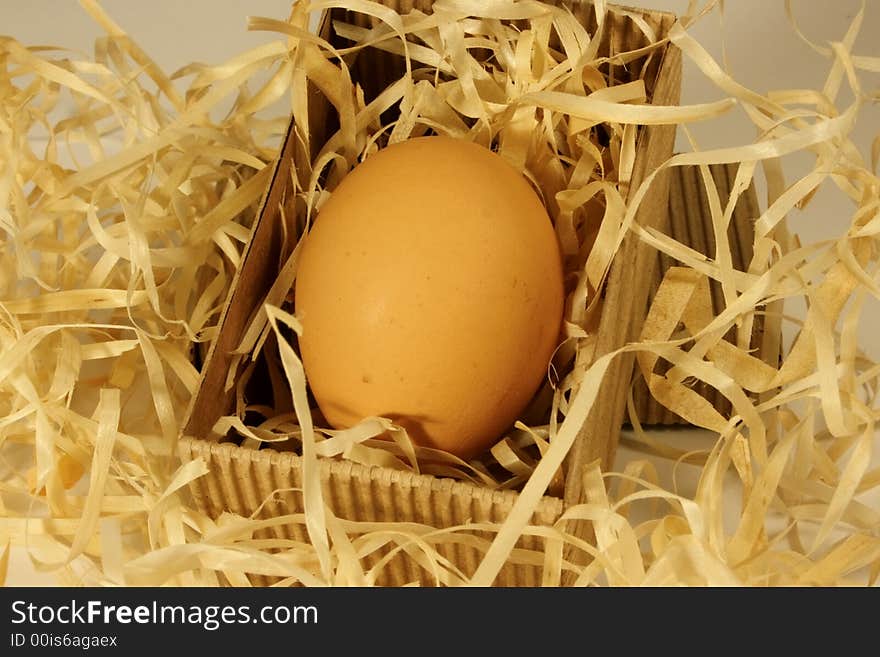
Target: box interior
{"x": 275, "y": 232}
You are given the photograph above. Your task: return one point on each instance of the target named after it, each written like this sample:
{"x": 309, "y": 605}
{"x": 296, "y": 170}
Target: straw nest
{"x": 127, "y": 196}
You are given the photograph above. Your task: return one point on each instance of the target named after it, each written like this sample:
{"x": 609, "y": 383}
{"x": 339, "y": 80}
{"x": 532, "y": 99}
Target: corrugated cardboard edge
{"x": 240, "y": 480}
{"x": 262, "y": 248}
{"x": 626, "y": 295}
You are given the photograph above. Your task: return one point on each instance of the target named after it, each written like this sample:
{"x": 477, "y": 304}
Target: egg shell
{"x": 430, "y": 291}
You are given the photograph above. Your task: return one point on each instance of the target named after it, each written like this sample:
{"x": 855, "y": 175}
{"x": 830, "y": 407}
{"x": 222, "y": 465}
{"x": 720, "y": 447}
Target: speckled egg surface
{"x": 430, "y": 291}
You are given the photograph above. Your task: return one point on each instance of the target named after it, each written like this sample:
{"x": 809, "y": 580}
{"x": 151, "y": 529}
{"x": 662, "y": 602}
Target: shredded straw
{"x": 126, "y": 198}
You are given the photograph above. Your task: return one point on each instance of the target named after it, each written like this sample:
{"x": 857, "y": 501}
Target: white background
{"x": 762, "y": 52}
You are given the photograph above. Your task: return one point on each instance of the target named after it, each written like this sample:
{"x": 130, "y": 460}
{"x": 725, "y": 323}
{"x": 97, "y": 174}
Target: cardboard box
{"x": 240, "y": 478}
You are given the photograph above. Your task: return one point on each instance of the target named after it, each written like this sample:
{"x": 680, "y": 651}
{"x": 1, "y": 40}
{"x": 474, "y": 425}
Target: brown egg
{"x": 430, "y": 292}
